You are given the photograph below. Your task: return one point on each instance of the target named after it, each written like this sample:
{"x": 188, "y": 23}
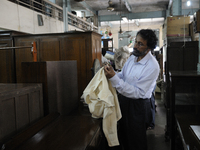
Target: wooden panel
{"x": 23, "y": 55}
{"x": 191, "y": 56}
{"x": 35, "y": 105}
{"x": 182, "y": 56}
{"x": 36, "y": 72}
{"x": 6, "y": 61}
{"x": 59, "y": 79}
{"x": 49, "y": 49}
{"x": 174, "y": 58}
{"x": 66, "y": 83}
{"x": 6, "y": 65}
{"x": 15, "y": 107}
{"x": 7, "y": 117}
{"x": 96, "y": 47}
{"x": 75, "y": 48}
{"x": 22, "y": 111}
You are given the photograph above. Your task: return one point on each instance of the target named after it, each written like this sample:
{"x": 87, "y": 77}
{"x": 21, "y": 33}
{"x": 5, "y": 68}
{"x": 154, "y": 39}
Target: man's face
{"x": 140, "y": 47}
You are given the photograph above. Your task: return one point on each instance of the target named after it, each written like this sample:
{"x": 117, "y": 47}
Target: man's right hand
{"x": 109, "y": 72}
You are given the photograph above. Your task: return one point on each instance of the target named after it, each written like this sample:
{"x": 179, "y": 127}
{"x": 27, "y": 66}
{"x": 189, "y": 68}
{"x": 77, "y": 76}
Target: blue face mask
{"x": 137, "y": 53}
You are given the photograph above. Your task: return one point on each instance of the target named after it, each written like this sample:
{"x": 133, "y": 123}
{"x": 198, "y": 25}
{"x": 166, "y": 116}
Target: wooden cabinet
{"x": 182, "y": 56}
{"x": 184, "y": 101}
{"x": 84, "y": 47}
{"x": 20, "y": 106}
{"x": 7, "y": 69}
{"x": 59, "y": 80}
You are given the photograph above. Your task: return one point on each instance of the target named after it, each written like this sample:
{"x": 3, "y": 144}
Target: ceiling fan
{"x": 117, "y": 7}
{"x": 110, "y": 6}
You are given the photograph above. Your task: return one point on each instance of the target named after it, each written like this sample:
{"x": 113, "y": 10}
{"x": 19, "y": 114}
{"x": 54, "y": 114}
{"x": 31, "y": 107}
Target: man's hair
{"x": 150, "y": 36}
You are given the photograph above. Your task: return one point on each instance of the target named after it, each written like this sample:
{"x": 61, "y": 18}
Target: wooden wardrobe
{"x": 84, "y": 47}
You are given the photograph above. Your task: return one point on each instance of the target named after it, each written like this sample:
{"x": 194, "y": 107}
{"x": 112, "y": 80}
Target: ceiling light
{"x": 188, "y": 3}
{"x": 125, "y": 19}
{"x": 127, "y": 6}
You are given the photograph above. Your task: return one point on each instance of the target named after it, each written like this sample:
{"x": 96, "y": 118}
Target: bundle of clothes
{"x": 118, "y": 58}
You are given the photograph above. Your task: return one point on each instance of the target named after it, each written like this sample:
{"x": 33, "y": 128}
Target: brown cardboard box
{"x": 178, "y": 26}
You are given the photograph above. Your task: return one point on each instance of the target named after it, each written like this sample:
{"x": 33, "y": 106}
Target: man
{"x": 135, "y": 84}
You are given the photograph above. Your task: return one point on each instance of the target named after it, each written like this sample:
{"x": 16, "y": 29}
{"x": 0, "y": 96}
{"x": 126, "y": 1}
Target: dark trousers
{"x": 153, "y": 109}
{"x": 136, "y": 117}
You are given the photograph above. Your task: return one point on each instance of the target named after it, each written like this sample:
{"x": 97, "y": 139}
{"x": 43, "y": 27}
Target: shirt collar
{"x": 144, "y": 59}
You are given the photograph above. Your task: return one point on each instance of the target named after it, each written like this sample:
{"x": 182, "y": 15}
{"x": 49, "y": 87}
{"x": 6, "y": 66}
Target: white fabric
{"x": 104, "y": 60}
{"x": 102, "y": 100}
{"x": 121, "y": 56}
{"x": 109, "y": 56}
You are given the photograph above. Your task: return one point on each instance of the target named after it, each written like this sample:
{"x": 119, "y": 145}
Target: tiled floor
{"x": 156, "y": 137}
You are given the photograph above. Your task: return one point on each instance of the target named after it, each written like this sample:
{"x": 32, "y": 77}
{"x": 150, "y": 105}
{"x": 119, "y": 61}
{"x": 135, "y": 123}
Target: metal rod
{"x": 3, "y": 48}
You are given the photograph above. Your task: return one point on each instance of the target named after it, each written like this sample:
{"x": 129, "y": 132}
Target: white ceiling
{"x": 137, "y": 6}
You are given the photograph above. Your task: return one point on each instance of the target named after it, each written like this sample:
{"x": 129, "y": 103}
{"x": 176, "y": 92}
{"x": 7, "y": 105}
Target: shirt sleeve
{"x": 135, "y": 90}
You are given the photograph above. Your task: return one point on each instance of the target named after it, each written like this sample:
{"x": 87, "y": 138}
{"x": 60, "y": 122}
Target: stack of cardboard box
{"x": 177, "y": 26}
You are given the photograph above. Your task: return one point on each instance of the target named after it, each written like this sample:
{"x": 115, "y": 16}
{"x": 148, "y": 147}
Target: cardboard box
{"x": 177, "y": 26}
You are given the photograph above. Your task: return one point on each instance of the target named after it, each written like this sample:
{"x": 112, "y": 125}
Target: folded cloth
{"x": 102, "y": 101}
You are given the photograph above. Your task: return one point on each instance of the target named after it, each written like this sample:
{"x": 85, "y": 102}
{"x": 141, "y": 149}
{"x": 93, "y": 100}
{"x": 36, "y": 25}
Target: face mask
{"x": 137, "y": 53}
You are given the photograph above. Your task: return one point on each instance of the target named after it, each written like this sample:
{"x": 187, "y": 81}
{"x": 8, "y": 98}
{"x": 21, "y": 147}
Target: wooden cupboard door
{"x": 182, "y": 56}
{"x": 49, "y": 49}
{"x": 190, "y": 59}
{"x": 174, "y": 59}
{"x": 77, "y": 48}
{"x": 7, "y": 74}
{"x": 96, "y": 48}
{"x": 23, "y": 54}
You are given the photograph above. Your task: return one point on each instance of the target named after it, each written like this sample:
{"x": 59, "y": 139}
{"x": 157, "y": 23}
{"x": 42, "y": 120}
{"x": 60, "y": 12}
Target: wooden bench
{"x": 57, "y": 132}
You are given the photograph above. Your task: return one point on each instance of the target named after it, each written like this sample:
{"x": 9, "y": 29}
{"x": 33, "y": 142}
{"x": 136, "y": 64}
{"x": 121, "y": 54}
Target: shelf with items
{"x": 107, "y": 44}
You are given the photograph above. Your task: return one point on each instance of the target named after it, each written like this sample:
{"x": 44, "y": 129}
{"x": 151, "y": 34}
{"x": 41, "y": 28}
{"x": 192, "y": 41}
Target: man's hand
{"x": 109, "y": 72}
